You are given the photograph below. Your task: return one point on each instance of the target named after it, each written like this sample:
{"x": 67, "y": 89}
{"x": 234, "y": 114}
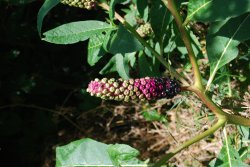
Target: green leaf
{"x": 244, "y": 153}
{"x": 76, "y": 31}
{"x": 222, "y": 46}
{"x": 143, "y": 9}
{"x": 86, "y": 152}
{"x": 112, "y": 8}
{"x": 82, "y": 152}
{"x": 160, "y": 18}
{"x": 130, "y": 58}
{"x": 228, "y": 157}
{"x": 130, "y": 17}
{"x": 153, "y": 116}
{"x": 216, "y": 10}
{"x": 123, "y": 42}
{"x": 122, "y": 154}
{"x": 122, "y": 66}
{"x": 245, "y": 133}
{"x": 95, "y": 48}
{"x": 109, "y": 67}
{"x": 43, "y": 11}
{"x": 145, "y": 68}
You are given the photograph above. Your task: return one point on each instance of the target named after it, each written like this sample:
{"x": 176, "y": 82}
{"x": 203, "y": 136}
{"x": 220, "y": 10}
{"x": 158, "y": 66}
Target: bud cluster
{"x": 145, "y": 30}
{"x": 87, "y": 4}
{"x": 148, "y": 88}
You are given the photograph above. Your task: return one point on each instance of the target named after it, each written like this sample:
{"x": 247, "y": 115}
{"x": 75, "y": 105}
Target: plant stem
{"x": 221, "y": 122}
{"x": 231, "y": 119}
{"x": 170, "y": 4}
{"x": 144, "y": 43}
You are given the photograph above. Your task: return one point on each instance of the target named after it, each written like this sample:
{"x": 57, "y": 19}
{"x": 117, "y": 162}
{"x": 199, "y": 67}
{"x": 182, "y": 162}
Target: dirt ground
{"x": 124, "y": 123}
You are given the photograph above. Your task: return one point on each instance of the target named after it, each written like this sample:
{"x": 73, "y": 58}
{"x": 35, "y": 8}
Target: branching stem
{"x": 186, "y": 39}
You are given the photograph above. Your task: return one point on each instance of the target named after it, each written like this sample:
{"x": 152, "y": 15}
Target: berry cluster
{"x": 144, "y": 30}
{"x": 148, "y": 88}
{"x": 87, "y": 4}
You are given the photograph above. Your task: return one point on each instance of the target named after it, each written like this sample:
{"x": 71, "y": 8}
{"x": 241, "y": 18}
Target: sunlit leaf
{"x": 82, "y": 152}
{"x": 153, "y": 116}
{"x": 122, "y": 154}
{"x": 76, "y": 31}
{"x": 222, "y": 46}
{"x": 228, "y": 157}
{"x": 86, "y": 152}
{"x": 216, "y": 10}
{"x": 95, "y": 48}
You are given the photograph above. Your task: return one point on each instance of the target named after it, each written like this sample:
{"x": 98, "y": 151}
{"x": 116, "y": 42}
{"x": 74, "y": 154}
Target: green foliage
{"x": 159, "y": 25}
{"x": 47, "y": 6}
{"x": 90, "y": 152}
{"x": 154, "y": 116}
{"x": 222, "y": 45}
{"x": 123, "y": 42}
{"x": 76, "y": 31}
{"x": 112, "y": 7}
{"x": 228, "y": 156}
{"x": 95, "y": 48}
{"x": 207, "y": 10}
{"x": 122, "y": 154}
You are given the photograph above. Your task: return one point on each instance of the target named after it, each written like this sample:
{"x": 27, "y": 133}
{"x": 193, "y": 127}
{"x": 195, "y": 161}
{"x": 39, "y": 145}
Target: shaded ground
{"x": 124, "y": 123}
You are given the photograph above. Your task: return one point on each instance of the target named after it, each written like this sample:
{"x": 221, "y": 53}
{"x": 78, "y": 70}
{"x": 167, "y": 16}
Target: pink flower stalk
{"x": 148, "y": 88}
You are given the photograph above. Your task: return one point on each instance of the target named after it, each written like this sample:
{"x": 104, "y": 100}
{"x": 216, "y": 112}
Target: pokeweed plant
{"x": 145, "y": 36}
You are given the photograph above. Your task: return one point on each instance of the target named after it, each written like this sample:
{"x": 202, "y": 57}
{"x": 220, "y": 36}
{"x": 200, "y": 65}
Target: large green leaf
{"x": 76, "y": 31}
{"x": 228, "y": 157}
{"x": 160, "y": 18}
{"x": 123, "y": 42}
{"x": 46, "y": 7}
{"x": 95, "y": 48}
{"x": 216, "y": 10}
{"x": 86, "y": 152}
{"x": 222, "y": 45}
{"x": 82, "y": 152}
